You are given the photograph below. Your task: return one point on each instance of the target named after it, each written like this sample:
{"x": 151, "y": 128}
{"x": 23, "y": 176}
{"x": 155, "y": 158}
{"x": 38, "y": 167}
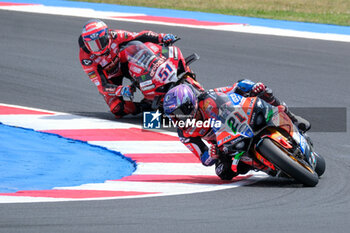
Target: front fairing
{"x": 236, "y": 114}
{"x": 280, "y": 120}
{"x": 151, "y": 66}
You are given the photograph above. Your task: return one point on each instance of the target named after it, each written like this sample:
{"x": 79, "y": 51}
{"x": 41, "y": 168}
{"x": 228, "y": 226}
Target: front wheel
{"x": 320, "y": 165}
{"x": 301, "y": 172}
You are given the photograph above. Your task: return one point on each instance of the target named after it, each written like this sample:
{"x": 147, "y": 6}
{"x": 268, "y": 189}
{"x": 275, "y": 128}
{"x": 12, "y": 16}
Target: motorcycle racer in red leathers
{"x": 181, "y": 103}
{"x": 100, "y": 58}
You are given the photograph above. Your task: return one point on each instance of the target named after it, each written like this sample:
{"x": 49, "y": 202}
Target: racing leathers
{"x": 193, "y": 136}
{"x": 107, "y": 71}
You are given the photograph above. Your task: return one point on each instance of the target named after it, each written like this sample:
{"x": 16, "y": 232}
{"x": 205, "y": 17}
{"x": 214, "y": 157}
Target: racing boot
{"x": 243, "y": 168}
{"x": 223, "y": 169}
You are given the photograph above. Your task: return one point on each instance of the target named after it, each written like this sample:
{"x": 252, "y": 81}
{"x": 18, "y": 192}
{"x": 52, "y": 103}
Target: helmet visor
{"x": 97, "y": 44}
{"x": 184, "y": 112}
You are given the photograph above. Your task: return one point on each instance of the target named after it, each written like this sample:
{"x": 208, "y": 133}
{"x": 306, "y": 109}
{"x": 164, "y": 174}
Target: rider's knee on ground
{"x": 224, "y": 171}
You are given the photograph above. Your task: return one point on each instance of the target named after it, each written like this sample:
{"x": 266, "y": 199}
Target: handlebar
{"x": 173, "y": 42}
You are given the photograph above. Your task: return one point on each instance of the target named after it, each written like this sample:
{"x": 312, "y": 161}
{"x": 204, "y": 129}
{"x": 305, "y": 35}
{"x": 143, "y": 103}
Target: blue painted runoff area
{"x": 299, "y": 26}
{"x": 31, "y": 160}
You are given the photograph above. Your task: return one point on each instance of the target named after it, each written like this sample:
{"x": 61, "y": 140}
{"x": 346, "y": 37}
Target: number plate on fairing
{"x": 166, "y": 73}
{"x": 235, "y": 98}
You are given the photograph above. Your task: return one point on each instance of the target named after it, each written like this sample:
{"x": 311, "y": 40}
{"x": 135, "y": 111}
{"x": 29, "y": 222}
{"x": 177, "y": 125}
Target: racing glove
{"x": 168, "y": 39}
{"x": 209, "y": 157}
{"x": 126, "y": 91}
{"x": 258, "y": 88}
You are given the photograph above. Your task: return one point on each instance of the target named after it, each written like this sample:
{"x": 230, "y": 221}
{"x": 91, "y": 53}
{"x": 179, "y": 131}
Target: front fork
{"x": 303, "y": 146}
{"x": 278, "y": 138}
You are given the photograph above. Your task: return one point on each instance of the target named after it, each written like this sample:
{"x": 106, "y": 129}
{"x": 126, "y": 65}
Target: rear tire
{"x": 289, "y": 166}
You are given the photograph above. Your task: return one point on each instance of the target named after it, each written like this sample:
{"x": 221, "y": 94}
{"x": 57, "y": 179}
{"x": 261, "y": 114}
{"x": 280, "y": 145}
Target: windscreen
{"x": 139, "y": 54}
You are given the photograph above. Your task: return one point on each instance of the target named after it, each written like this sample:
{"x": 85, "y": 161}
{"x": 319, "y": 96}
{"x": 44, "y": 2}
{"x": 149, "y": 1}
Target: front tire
{"x": 320, "y": 164}
{"x": 287, "y": 164}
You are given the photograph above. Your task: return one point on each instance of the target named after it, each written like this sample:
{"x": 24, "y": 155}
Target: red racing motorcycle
{"x": 155, "y": 69}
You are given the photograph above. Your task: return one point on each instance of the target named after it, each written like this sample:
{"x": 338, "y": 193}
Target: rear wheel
{"x": 300, "y": 171}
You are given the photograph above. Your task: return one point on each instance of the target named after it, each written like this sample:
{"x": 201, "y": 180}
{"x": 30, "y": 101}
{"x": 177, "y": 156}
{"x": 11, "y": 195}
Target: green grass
{"x": 321, "y": 11}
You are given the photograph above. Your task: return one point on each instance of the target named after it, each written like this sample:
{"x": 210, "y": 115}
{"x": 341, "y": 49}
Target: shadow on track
{"x": 277, "y": 182}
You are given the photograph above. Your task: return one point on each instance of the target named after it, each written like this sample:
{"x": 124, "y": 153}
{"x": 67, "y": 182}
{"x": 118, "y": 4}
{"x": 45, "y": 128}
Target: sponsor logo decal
{"x": 86, "y": 62}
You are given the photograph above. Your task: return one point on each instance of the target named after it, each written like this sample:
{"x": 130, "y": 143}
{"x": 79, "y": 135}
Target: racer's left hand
{"x": 127, "y": 91}
{"x": 209, "y": 157}
{"x": 169, "y": 38}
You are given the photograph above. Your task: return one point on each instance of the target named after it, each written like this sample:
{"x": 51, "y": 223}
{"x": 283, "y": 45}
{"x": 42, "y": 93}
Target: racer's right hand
{"x": 258, "y": 88}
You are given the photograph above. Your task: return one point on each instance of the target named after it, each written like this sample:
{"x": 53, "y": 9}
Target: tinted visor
{"x": 184, "y": 112}
{"x": 98, "y": 44}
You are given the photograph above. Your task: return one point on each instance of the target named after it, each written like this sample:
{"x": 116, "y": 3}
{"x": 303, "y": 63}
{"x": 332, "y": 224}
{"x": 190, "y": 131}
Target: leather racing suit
{"x": 108, "y": 70}
{"x": 192, "y": 137}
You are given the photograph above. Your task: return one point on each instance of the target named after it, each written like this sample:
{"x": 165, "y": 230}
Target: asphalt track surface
{"x": 40, "y": 68}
